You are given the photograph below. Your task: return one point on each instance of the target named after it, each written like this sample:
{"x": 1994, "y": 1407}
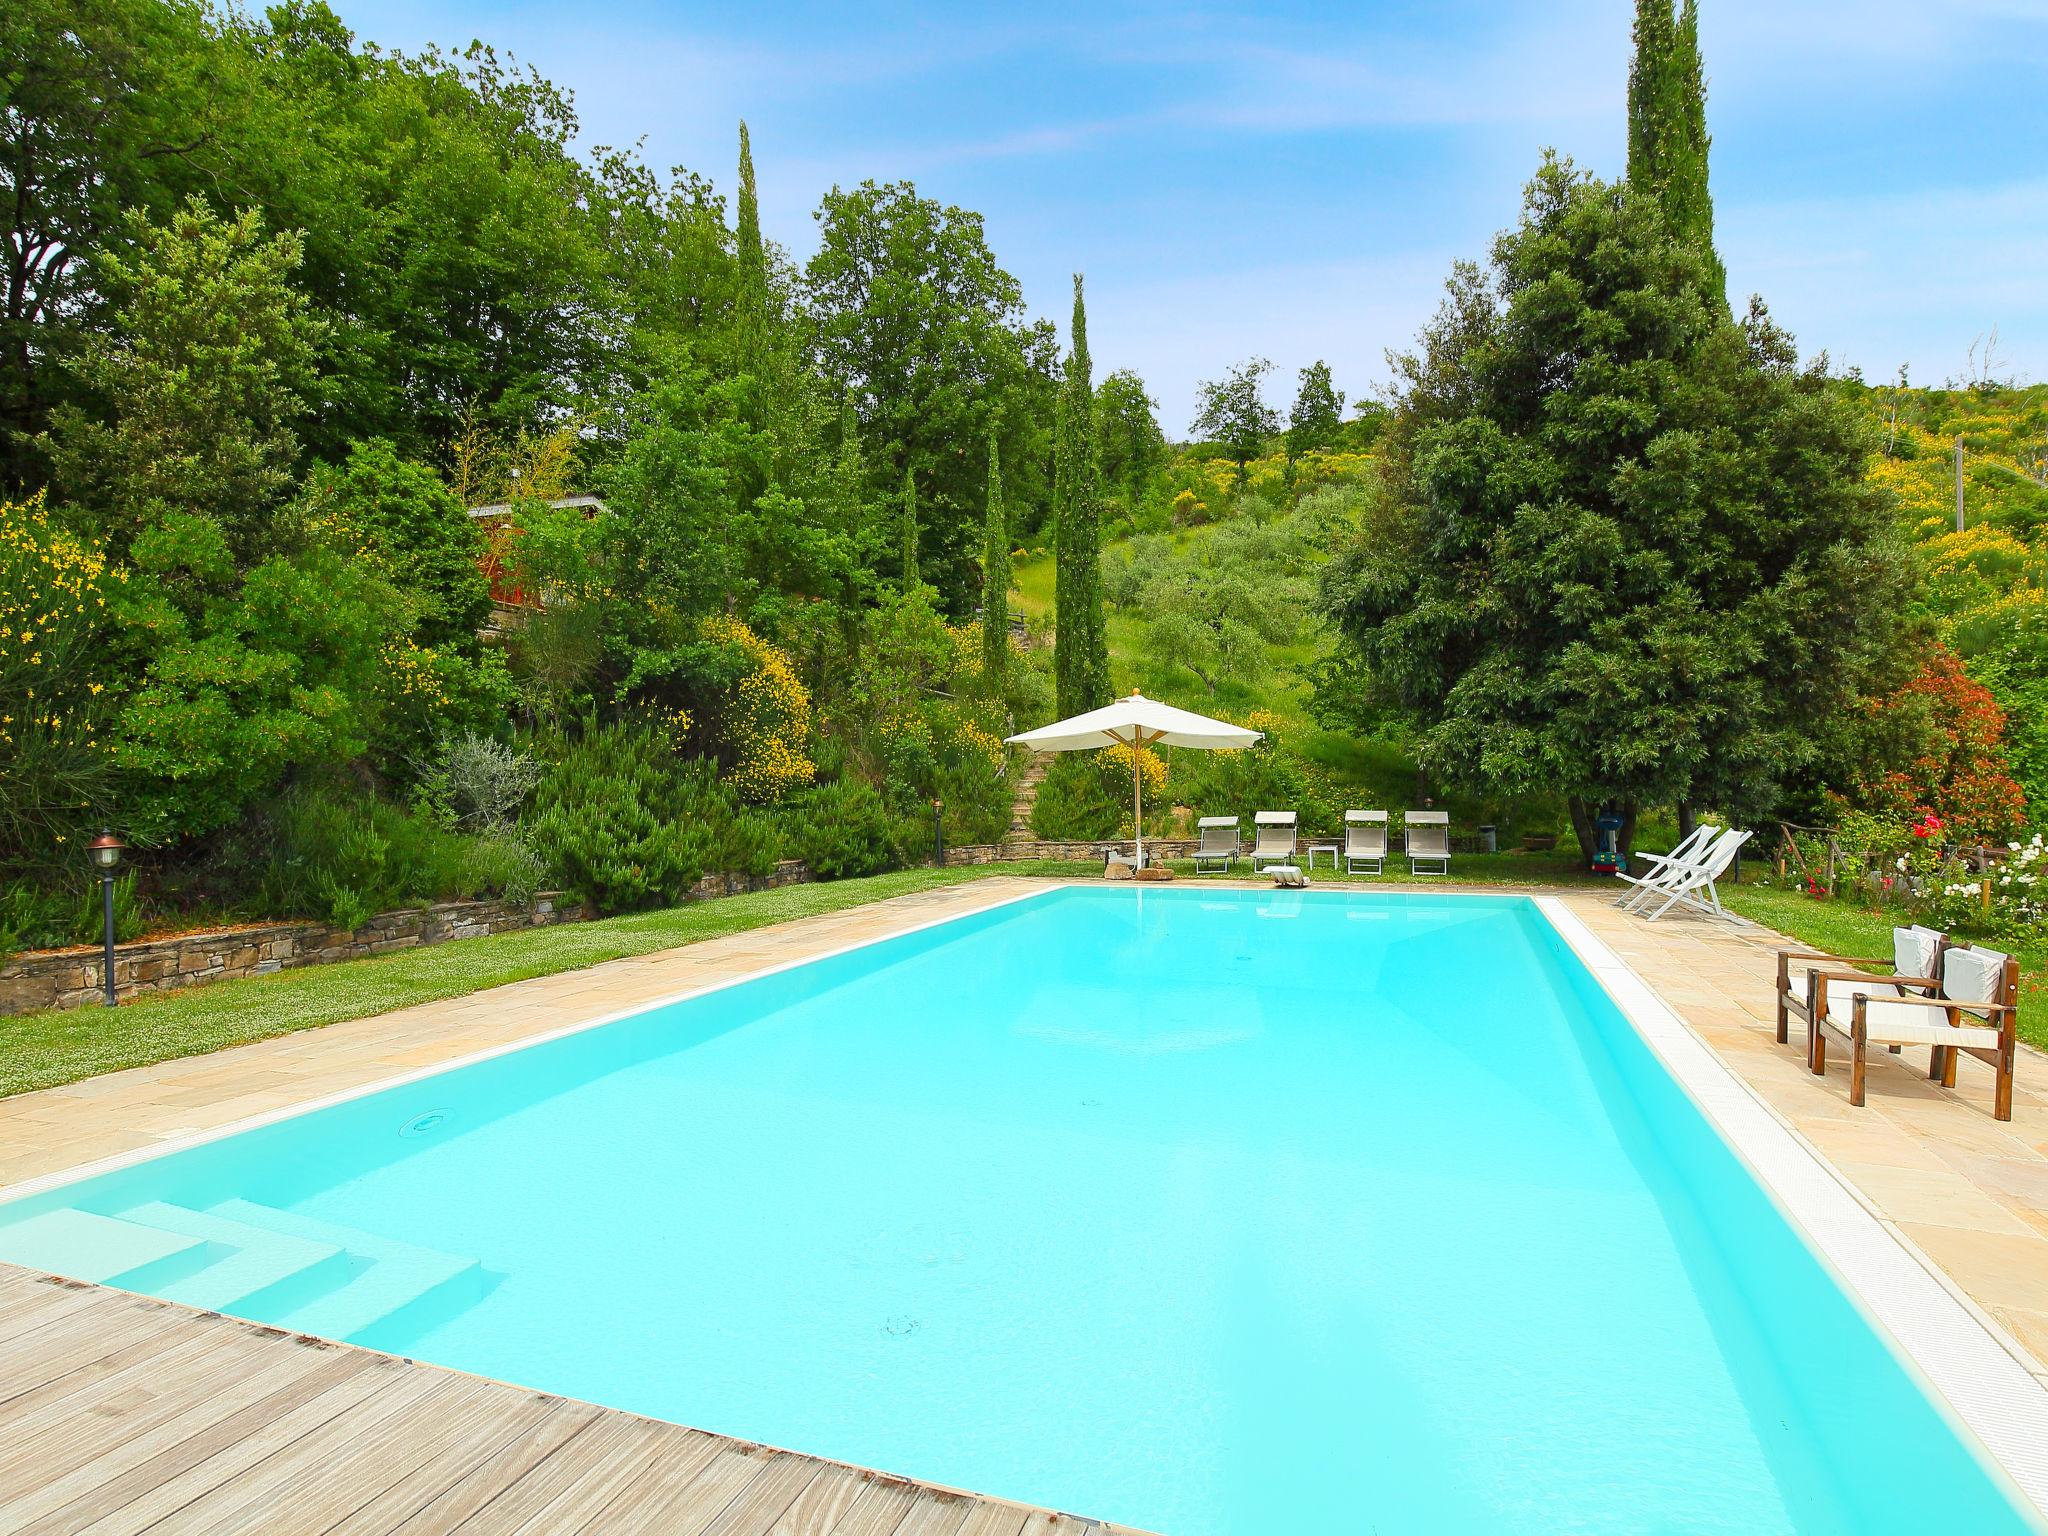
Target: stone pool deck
{"x": 118, "y": 1406}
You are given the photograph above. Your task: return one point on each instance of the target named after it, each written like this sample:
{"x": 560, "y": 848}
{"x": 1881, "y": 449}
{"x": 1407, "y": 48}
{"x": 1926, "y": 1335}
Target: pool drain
{"x": 424, "y": 1122}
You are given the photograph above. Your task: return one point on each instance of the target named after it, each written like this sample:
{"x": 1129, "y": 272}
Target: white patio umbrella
{"x": 1137, "y": 722}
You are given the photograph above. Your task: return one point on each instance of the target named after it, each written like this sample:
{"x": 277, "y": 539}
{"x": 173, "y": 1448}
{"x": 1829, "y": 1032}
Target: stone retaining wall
{"x": 69, "y": 978}
{"x": 996, "y": 853}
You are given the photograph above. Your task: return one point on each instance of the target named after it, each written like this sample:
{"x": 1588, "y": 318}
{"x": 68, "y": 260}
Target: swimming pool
{"x": 1202, "y": 1211}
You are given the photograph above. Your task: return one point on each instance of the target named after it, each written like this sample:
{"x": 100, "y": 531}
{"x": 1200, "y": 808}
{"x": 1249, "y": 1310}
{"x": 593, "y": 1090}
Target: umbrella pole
{"x": 1138, "y": 794}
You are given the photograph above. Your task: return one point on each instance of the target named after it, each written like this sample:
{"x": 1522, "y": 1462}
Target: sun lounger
{"x": 1365, "y": 841}
{"x": 1221, "y": 843}
{"x": 1427, "y": 835}
{"x": 1659, "y": 865}
{"x": 1973, "y": 1008}
{"x": 1274, "y": 838}
{"x": 1692, "y": 885}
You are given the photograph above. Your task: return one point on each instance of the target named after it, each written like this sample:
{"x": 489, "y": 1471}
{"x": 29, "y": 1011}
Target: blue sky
{"x": 1294, "y": 181}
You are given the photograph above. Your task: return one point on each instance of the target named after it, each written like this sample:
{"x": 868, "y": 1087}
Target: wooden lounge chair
{"x": 1274, "y": 840}
{"x": 1975, "y": 1009}
{"x": 1365, "y": 841}
{"x": 1427, "y": 836}
{"x": 1802, "y": 977}
{"x": 1221, "y": 843}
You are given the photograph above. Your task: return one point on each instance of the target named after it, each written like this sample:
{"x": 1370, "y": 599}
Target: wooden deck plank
{"x": 763, "y": 1501}
{"x": 73, "y": 1340}
{"x": 492, "y": 1476}
{"x": 658, "y": 1502}
{"x": 935, "y": 1514}
{"x": 577, "y": 1481}
{"x": 878, "y": 1511}
{"x": 489, "y": 1425}
{"x": 330, "y": 1474}
{"x": 994, "y": 1520}
{"x": 34, "y": 1299}
{"x": 280, "y": 1457}
{"x": 190, "y": 1469}
{"x": 823, "y": 1503}
{"x": 146, "y": 1445}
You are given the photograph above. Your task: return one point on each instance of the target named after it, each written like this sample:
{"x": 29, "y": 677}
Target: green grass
{"x": 1842, "y": 928}
{"x": 43, "y": 1050}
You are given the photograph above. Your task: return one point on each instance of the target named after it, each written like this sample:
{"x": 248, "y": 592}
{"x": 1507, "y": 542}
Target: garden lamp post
{"x": 939, "y": 833}
{"x": 106, "y": 858}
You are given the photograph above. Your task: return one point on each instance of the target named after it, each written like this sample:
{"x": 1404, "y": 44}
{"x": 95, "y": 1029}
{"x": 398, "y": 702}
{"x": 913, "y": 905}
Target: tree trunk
{"x": 1589, "y": 835}
{"x": 1686, "y": 820}
{"x": 1582, "y": 823}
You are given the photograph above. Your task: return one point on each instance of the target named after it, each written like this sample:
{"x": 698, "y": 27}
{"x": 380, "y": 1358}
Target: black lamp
{"x": 106, "y": 858}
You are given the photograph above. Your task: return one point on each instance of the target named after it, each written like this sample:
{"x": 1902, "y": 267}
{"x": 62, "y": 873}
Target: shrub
{"x": 347, "y": 855}
{"x": 840, "y": 830}
{"x": 476, "y": 782}
{"x": 89, "y": 913}
{"x": 32, "y": 916}
{"x": 1086, "y": 796}
{"x": 629, "y": 825}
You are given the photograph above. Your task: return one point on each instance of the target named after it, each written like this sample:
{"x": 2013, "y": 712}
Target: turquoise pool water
{"x": 1207, "y": 1212}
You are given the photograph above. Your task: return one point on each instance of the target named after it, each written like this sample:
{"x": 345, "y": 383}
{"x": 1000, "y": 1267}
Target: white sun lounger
{"x": 1428, "y": 839}
{"x": 1221, "y": 843}
{"x": 1692, "y": 885}
{"x": 1274, "y": 840}
{"x": 1657, "y": 875}
{"x": 1365, "y": 841}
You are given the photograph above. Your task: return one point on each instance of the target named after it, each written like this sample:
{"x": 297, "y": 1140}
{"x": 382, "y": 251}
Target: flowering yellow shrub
{"x": 1116, "y": 769}
{"x": 53, "y": 600}
{"x": 768, "y": 717}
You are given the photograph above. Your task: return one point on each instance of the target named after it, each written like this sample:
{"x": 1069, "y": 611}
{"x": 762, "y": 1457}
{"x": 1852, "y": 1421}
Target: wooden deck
{"x": 123, "y": 1414}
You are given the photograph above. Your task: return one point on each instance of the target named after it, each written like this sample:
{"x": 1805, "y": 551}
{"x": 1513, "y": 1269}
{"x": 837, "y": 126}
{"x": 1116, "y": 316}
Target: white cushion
{"x": 1972, "y": 975}
{"x": 1913, "y": 950}
{"x": 1900, "y": 1023}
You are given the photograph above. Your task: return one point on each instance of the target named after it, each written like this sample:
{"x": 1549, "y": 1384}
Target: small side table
{"x": 1332, "y": 849}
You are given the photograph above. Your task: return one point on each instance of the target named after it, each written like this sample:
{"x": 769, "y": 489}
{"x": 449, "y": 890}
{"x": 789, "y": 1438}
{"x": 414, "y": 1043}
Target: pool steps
{"x": 258, "y": 1262}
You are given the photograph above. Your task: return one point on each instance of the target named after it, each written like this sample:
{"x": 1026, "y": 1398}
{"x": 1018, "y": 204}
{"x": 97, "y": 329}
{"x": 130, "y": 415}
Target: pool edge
{"x": 1963, "y": 1356}
{"x": 80, "y": 1172}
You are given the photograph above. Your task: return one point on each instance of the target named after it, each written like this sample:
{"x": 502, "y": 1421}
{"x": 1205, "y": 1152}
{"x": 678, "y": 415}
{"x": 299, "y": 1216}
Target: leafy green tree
{"x": 995, "y": 576}
{"x": 104, "y": 113}
{"x": 1131, "y": 446}
{"x": 1233, "y": 415}
{"x": 411, "y": 527}
{"x": 909, "y": 552}
{"x": 1626, "y": 548}
{"x": 928, "y": 336}
{"x": 1080, "y": 642}
{"x": 1668, "y": 141}
{"x": 203, "y": 374}
{"x": 1318, "y": 415}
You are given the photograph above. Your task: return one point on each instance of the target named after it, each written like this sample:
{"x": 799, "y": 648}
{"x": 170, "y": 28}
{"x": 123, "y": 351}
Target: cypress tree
{"x": 1080, "y": 645}
{"x": 995, "y": 575}
{"x": 1667, "y": 123}
{"x": 753, "y": 267}
{"x": 753, "y": 264}
{"x": 909, "y": 529}
{"x": 1697, "y": 213}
